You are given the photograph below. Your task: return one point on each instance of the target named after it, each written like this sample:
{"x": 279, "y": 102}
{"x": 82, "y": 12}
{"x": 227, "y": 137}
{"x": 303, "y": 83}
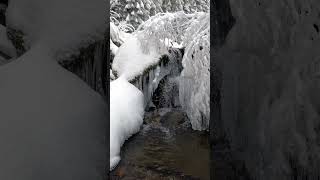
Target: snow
{"x": 171, "y": 44}
{"x": 194, "y": 86}
{"x": 61, "y": 24}
{"x": 51, "y": 121}
{"x": 6, "y": 46}
{"x": 130, "y": 60}
{"x": 270, "y": 108}
{"x": 126, "y": 115}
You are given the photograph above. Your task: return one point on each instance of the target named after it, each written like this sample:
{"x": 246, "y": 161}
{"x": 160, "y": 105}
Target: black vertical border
{"x": 107, "y": 76}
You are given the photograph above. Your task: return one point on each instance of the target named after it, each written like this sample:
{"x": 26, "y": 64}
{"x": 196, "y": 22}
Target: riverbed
{"x": 165, "y": 148}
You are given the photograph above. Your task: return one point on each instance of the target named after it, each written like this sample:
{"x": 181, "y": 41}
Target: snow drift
{"x": 52, "y": 124}
{"x": 126, "y": 115}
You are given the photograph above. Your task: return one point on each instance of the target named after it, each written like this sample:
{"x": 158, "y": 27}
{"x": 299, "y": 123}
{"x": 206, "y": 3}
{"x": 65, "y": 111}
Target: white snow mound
{"x": 126, "y": 115}
{"x": 130, "y": 61}
{"x": 63, "y": 24}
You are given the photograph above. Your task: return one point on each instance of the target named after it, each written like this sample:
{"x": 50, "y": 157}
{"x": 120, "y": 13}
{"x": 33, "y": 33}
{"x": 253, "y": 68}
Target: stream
{"x": 165, "y": 148}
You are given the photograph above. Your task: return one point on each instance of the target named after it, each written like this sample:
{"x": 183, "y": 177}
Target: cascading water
{"x": 152, "y": 84}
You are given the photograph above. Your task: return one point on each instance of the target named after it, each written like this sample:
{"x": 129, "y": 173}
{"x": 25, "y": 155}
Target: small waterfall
{"x": 156, "y": 78}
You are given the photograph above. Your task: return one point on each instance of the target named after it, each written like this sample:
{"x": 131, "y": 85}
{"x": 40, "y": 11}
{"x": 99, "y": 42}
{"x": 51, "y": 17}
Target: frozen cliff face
{"x": 270, "y": 91}
{"x": 194, "y": 82}
{"x": 152, "y": 84}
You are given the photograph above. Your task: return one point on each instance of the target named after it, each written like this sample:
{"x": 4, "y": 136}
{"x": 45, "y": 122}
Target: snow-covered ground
{"x": 52, "y": 124}
{"x": 126, "y": 115}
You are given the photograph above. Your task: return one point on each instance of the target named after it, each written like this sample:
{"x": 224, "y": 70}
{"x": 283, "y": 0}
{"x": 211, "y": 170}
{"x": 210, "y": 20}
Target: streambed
{"x": 165, "y": 148}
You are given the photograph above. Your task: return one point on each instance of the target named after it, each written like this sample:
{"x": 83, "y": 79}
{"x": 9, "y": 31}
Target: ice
{"x": 194, "y": 84}
{"x": 126, "y": 115}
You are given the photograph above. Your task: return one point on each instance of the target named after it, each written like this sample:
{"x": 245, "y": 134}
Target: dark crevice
{"x": 316, "y": 27}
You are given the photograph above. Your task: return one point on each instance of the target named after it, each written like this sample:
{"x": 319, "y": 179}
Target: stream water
{"x": 165, "y": 148}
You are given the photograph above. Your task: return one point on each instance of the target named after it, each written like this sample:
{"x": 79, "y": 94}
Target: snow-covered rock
{"x": 270, "y": 89}
{"x": 130, "y": 60}
{"x": 126, "y": 115}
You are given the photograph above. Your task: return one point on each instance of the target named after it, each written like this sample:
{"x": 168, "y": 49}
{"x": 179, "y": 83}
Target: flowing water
{"x": 165, "y": 148}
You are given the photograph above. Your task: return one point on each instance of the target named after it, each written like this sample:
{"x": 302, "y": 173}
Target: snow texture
{"x": 63, "y": 25}
{"x": 270, "y": 90}
{"x": 192, "y": 31}
{"x": 194, "y": 86}
{"x": 52, "y": 124}
{"x": 126, "y": 115}
{"x": 130, "y": 60}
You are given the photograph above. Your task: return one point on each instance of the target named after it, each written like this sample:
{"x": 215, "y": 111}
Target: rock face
{"x": 270, "y": 105}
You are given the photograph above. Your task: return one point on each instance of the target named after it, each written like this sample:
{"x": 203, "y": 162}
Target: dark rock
{"x": 268, "y": 108}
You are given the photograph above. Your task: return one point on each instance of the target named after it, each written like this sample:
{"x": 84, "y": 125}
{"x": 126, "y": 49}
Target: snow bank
{"x": 52, "y": 124}
{"x": 61, "y": 24}
{"x": 130, "y": 60}
{"x": 6, "y": 46}
{"x": 126, "y": 115}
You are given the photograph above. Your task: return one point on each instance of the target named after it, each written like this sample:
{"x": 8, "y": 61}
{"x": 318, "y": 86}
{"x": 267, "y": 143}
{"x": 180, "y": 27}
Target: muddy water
{"x": 165, "y": 148}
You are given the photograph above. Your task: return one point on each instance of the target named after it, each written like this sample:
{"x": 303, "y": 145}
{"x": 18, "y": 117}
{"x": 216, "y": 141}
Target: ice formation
{"x": 193, "y": 32}
{"x": 194, "y": 85}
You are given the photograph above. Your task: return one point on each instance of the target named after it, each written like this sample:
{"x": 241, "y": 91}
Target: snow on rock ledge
{"x": 130, "y": 60}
